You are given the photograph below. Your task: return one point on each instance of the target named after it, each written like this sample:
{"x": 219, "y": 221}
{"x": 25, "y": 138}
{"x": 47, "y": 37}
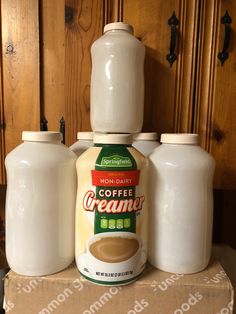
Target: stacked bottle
{"x": 40, "y": 201}
{"x": 145, "y": 142}
{"x": 111, "y": 213}
{"x": 117, "y": 82}
{"x": 84, "y": 141}
{"x": 181, "y": 204}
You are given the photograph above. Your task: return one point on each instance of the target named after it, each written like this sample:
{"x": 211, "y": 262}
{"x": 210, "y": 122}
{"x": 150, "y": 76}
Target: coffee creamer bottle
{"x": 145, "y": 142}
{"x": 40, "y": 205}
{"x": 117, "y": 81}
{"x": 85, "y": 140}
{"x": 111, "y": 212}
{"x": 181, "y": 204}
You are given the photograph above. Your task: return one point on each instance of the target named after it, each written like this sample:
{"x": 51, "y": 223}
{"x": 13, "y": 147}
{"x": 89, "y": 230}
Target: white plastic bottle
{"x": 181, "y": 204}
{"x": 145, "y": 142}
{"x": 40, "y": 203}
{"x": 117, "y": 82}
{"x": 85, "y": 140}
{"x": 111, "y": 209}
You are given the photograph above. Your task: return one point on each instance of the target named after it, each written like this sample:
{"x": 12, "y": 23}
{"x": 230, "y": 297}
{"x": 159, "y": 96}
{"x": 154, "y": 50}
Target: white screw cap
{"x": 180, "y": 138}
{"x": 86, "y": 136}
{"x": 105, "y": 138}
{"x": 41, "y": 136}
{"x": 146, "y": 136}
{"x": 119, "y": 26}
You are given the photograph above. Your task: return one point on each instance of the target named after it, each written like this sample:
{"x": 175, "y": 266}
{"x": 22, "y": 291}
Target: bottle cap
{"x": 105, "y": 138}
{"x": 41, "y": 136}
{"x": 86, "y": 136}
{"x": 119, "y": 25}
{"x": 146, "y": 136}
{"x": 180, "y": 138}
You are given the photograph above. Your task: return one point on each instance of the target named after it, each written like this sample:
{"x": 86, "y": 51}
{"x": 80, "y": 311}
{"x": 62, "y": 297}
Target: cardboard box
{"x": 156, "y": 292}
{"x": 227, "y": 257}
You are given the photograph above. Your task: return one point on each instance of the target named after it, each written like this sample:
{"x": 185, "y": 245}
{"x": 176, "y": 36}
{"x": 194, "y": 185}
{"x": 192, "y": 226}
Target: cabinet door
{"x": 169, "y": 90}
{"x": 215, "y": 111}
{"x": 69, "y": 27}
{"x": 20, "y": 70}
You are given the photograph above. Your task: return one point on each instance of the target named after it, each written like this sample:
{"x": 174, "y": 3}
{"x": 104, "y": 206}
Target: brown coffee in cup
{"x": 114, "y": 249}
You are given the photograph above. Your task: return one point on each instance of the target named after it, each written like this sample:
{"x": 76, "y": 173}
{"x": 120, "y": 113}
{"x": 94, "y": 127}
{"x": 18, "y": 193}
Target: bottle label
{"x": 109, "y": 213}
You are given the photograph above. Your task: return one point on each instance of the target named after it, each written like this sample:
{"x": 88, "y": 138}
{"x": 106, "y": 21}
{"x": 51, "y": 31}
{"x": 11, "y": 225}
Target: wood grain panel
{"x": 52, "y": 47}
{"x": 84, "y": 27}
{"x": 20, "y": 61}
{"x": 216, "y": 91}
{"x": 209, "y": 15}
{"x": 168, "y": 90}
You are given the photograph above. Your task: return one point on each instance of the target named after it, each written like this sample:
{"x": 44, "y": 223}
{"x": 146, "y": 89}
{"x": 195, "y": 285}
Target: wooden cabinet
{"x": 215, "y": 110}
{"x": 46, "y": 68}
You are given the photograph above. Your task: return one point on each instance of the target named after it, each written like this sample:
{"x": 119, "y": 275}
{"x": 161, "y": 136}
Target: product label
{"x": 116, "y": 161}
{"x": 111, "y": 209}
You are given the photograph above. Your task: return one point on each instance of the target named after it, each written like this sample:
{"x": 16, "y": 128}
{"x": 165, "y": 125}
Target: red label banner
{"x": 115, "y": 178}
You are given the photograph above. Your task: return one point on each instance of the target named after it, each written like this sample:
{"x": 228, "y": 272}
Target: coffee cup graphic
{"x": 113, "y": 256}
